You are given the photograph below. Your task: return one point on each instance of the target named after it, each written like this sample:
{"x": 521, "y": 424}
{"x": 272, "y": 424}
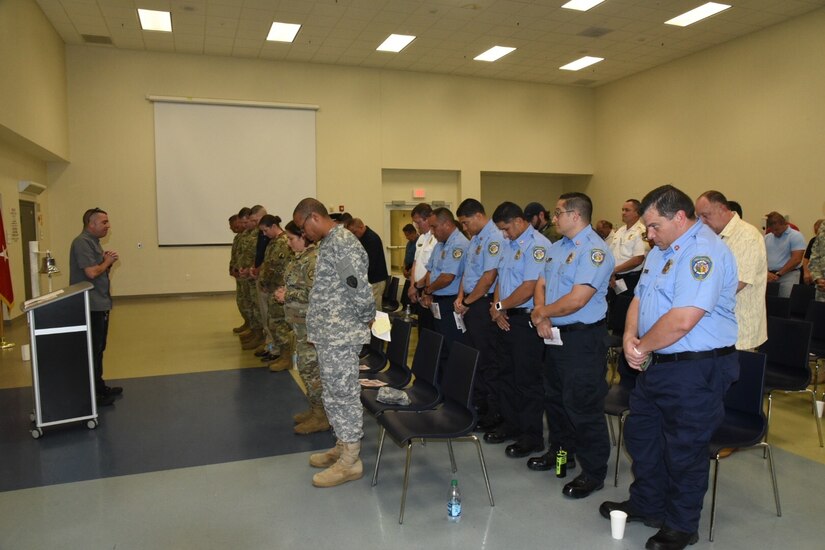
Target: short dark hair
{"x": 309, "y": 206}
{"x": 668, "y": 200}
{"x": 233, "y": 218}
{"x": 469, "y": 207}
{"x": 775, "y": 218}
{"x": 506, "y": 211}
{"x": 579, "y": 202}
{"x": 422, "y": 210}
{"x": 291, "y": 227}
{"x": 255, "y": 209}
{"x": 409, "y": 228}
{"x": 636, "y": 204}
{"x": 87, "y": 215}
{"x": 444, "y": 215}
{"x": 269, "y": 220}
{"x": 715, "y": 197}
{"x": 735, "y": 207}
{"x": 244, "y": 212}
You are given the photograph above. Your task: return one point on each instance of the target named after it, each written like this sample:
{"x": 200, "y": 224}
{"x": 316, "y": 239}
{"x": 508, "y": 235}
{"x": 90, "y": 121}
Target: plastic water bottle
{"x": 407, "y": 313}
{"x": 454, "y": 503}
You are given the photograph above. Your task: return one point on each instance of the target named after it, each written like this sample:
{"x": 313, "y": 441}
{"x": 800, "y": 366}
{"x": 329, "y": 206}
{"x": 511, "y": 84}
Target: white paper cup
{"x": 25, "y": 351}
{"x": 617, "y": 523}
{"x": 820, "y": 406}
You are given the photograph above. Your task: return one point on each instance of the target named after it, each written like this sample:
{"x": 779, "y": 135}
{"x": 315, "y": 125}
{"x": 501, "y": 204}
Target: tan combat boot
{"x": 302, "y": 416}
{"x": 284, "y": 362}
{"x": 318, "y": 422}
{"x": 242, "y": 328}
{"x": 246, "y": 335}
{"x": 348, "y": 468}
{"x": 328, "y": 457}
{"x": 256, "y": 340}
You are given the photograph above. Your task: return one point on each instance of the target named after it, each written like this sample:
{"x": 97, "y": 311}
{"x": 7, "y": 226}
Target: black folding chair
{"x": 777, "y": 306}
{"x": 745, "y": 424}
{"x": 397, "y": 373}
{"x": 801, "y": 296}
{"x": 424, "y": 392}
{"x": 454, "y": 419}
{"x": 816, "y": 316}
{"x": 616, "y": 315}
{"x": 375, "y": 359}
{"x": 389, "y": 302}
{"x": 617, "y": 403}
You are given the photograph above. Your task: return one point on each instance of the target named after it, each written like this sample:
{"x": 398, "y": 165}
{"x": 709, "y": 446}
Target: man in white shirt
{"x": 629, "y": 249}
{"x": 748, "y": 247}
{"x": 422, "y": 217}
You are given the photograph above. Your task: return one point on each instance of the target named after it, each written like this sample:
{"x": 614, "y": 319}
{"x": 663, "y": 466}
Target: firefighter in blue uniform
{"x": 680, "y": 332}
{"x": 571, "y": 296}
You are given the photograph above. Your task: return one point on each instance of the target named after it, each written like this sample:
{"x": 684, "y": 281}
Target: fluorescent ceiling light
{"x": 697, "y": 14}
{"x": 494, "y": 54}
{"x": 395, "y": 43}
{"x": 581, "y": 5}
{"x": 578, "y": 64}
{"x": 283, "y": 32}
{"x": 152, "y": 20}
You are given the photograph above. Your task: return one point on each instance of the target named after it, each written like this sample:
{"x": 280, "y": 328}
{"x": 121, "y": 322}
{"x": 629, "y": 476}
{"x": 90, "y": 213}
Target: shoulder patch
{"x": 700, "y": 267}
{"x": 539, "y": 253}
{"x": 457, "y": 253}
{"x": 493, "y": 248}
{"x": 597, "y": 257}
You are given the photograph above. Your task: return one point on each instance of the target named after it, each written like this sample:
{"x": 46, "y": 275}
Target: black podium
{"x": 61, "y": 358}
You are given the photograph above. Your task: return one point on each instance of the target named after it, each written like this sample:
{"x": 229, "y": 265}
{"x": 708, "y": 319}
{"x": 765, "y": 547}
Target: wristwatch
{"x": 498, "y": 306}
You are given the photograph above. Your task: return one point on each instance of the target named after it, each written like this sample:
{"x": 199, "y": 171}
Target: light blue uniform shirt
{"x": 483, "y": 255}
{"x": 523, "y": 260}
{"x": 697, "y": 270}
{"x": 779, "y": 249}
{"x": 582, "y": 260}
{"x": 448, "y": 257}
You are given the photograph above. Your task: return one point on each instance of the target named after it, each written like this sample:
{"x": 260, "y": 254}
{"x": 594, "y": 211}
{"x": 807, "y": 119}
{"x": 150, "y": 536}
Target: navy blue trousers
{"x": 674, "y": 410}
{"x": 481, "y": 334}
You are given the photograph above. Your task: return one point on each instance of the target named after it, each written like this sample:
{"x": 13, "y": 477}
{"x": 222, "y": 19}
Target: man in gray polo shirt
{"x": 89, "y": 262}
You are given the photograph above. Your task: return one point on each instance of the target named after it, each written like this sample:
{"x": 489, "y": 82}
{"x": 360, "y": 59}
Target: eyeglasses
{"x": 557, "y": 213}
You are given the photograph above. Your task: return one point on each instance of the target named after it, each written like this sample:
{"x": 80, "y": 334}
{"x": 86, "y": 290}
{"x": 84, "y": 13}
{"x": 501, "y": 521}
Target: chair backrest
{"x": 617, "y": 313}
{"x": 745, "y": 395}
{"x": 777, "y": 306}
{"x": 427, "y": 355}
{"x": 788, "y": 343}
{"x": 389, "y": 302}
{"x": 405, "y": 299}
{"x": 816, "y": 316}
{"x": 459, "y": 374}
{"x": 399, "y": 347}
{"x": 772, "y": 289}
{"x": 801, "y": 296}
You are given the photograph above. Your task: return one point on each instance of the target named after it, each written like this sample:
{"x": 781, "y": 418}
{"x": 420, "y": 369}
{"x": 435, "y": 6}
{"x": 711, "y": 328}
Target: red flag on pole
{"x": 6, "y": 291}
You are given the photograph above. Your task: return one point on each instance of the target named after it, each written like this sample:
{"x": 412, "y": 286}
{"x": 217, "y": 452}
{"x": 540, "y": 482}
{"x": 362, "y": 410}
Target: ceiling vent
{"x": 96, "y": 39}
{"x": 595, "y": 32}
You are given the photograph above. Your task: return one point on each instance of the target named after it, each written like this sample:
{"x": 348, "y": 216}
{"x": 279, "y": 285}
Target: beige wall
{"x": 522, "y": 189}
{"x": 746, "y": 118}
{"x": 368, "y": 120}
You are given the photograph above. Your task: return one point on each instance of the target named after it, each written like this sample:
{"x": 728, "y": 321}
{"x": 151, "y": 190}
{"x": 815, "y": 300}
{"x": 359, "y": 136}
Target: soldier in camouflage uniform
{"x": 299, "y": 278}
{"x": 817, "y": 264}
{"x": 246, "y": 274}
{"x": 270, "y": 278}
{"x": 237, "y": 224}
{"x": 341, "y": 308}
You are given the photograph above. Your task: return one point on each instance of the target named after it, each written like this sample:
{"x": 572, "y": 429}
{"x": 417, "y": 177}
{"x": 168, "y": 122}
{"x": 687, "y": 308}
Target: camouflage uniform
{"x": 233, "y": 269}
{"x": 817, "y": 261}
{"x": 340, "y": 309}
{"x": 248, "y": 297}
{"x": 299, "y": 278}
{"x": 277, "y": 257}
{"x": 551, "y": 232}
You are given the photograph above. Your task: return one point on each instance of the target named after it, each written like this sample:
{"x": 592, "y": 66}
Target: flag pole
{"x": 3, "y": 344}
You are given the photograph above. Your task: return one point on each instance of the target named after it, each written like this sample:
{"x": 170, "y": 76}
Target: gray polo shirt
{"x": 87, "y": 252}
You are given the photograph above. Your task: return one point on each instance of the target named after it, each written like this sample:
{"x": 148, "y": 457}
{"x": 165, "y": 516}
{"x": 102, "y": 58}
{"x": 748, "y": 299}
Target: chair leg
{"x": 768, "y": 424}
{"x": 816, "y": 418}
{"x": 483, "y": 468}
{"x": 713, "y": 496}
{"x": 406, "y": 482}
{"x": 619, "y": 449}
{"x": 378, "y": 458}
{"x": 609, "y": 421}
{"x": 773, "y": 481}
{"x": 453, "y": 467}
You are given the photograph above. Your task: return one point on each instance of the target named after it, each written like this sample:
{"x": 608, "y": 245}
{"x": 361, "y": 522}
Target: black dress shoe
{"x": 499, "y": 436}
{"x": 547, "y": 461}
{"x": 112, "y": 390}
{"x": 262, "y": 352}
{"x": 671, "y": 539}
{"x": 582, "y": 486}
{"x": 105, "y": 400}
{"x": 488, "y": 423}
{"x": 520, "y": 449}
{"x": 632, "y": 515}
{"x": 269, "y": 357}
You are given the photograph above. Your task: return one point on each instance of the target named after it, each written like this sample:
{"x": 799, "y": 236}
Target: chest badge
{"x": 569, "y": 259}
{"x": 666, "y": 267}
{"x": 518, "y": 254}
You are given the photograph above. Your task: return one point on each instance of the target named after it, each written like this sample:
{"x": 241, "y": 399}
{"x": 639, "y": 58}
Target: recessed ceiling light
{"x": 152, "y": 20}
{"x": 494, "y": 54}
{"x": 395, "y": 43}
{"x": 697, "y": 14}
{"x": 581, "y": 5}
{"x": 283, "y": 32}
{"x": 578, "y": 64}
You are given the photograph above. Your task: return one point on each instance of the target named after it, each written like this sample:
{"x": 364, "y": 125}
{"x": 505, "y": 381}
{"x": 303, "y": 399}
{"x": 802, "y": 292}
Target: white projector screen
{"x": 211, "y": 160}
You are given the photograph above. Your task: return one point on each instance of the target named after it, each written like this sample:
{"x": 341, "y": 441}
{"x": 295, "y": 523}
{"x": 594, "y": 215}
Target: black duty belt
{"x": 519, "y": 311}
{"x": 692, "y": 355}
{"x": 579, "y": 326}
{"x": 441, "y": 298}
